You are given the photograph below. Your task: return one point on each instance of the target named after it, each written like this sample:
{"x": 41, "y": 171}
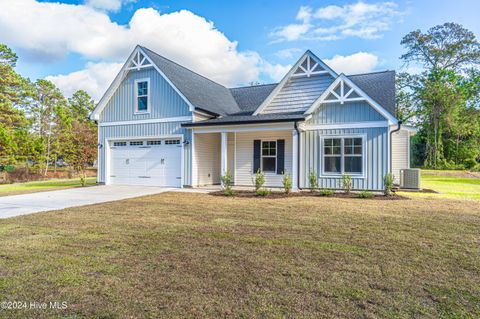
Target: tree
{"x": 81, "y": 147}
{"x": 448, "y": 46}
{"x": 81, "y": 105}
{"x": 445, "y": 95}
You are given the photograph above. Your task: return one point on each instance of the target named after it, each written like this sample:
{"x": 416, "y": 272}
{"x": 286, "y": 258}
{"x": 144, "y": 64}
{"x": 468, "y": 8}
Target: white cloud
{"x": 275, "y": 71}
{"x": 360, "y": 62}
{"x": 60, "y": 29}
{"x": 94, "y": 79}
{"x": 360, "y": 19}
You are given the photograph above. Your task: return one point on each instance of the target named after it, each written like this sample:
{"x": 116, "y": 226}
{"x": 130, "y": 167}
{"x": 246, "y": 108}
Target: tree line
{"x": 442, "y": 100}
{"x": 39, "y": 126}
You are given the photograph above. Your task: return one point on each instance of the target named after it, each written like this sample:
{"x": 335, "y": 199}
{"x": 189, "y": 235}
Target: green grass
{"x": 449, "y": 184}
{"x": 39, "y": 186}
{"x": 187, "y": 255}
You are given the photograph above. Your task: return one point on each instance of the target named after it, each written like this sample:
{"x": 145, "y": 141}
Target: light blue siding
{"x": 344, "y": 113}
{"x": 165, "y": 101}
{"x": 376, "y": 157}
{"x": 299, "y": 93}
{"x": 144, "y": 130}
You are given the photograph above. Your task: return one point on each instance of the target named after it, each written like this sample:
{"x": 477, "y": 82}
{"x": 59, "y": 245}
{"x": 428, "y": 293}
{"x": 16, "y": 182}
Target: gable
{"x": 349, "y": 112}
{"x": 300, "y": 87}
{"x": 343, "y": 90}
{"x": 165, "y": 102}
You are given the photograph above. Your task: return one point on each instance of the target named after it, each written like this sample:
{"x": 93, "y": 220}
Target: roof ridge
{"x": 250, "y": 86}
{"x": 367, "y": 73}
{"x": 183, "y": 67}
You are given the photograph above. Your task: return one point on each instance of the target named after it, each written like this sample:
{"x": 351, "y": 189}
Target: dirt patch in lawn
{"x": 462, "y": 174}
{"x": 278, "y": 194}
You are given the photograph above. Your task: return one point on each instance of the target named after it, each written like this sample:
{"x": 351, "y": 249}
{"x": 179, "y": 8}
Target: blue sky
{"x": 82, "y": 43}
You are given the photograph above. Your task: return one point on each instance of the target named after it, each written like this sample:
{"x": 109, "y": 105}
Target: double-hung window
{"x": 142, "y": 91}
{"x": 269, "y": 156}
{"x": 343, "y": 155}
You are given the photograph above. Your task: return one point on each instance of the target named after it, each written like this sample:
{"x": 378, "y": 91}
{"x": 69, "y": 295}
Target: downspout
{"x": 391, "y": 144}
{"x": 295, "y": 125}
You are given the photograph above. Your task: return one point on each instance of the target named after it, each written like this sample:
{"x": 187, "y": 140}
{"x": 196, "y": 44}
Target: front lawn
{"x": 41, "y": 186}
{"x": 200, "y": 256}
{"x": 450, "y": 184}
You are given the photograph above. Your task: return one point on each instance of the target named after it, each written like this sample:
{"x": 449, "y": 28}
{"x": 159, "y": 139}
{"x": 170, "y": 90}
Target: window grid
{"x": 119, "y": 143}
{"x": 343, "y": 155}
{"x": 172, "y": 142}
{"x": 154, "y": 142}
{"x": 269, "y": 156}
{"x": 142, "y": 92}
{"x": 136, "y": 143}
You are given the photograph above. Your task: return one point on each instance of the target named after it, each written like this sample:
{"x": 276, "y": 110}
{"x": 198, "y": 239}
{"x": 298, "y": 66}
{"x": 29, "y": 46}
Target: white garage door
{"x": 148, "y": 162}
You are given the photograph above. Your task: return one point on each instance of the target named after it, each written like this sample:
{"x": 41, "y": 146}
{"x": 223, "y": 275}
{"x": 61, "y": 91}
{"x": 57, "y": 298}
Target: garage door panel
{"x": 155, "y": 165}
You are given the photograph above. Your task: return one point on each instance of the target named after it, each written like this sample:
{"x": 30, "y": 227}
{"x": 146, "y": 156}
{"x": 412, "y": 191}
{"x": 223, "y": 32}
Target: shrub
{"x": 470, "y": 163}
{"x": 312, "y": 177}
{"x": 227, "y": 183}
{"x": 7, "y": 168}
{"x": 259, "y": 180}
{"x": 287, "y": 183}
{"x": 326, "y": 192}
{"x": 263, "y": 192}
{"x": 347, "y": 183}
{"x": 365, "y": 194}
{"x": 387, "y": 184}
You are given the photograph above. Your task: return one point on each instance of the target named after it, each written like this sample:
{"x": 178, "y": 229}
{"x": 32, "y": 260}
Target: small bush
{"x": 7, "y": 168}
{"x": 263, "y": 192}
{"x": 387, "y": 184}
{"x": 259, "y": 180}
{"x": 347, "y": 183}
{"x": 470, "y": 163}
{"x": 227, "y": 183}
{"x": 312, "y": 177}
{"x": 365, "y": 194}
{"x": 326, "y": 192}
{"x": 287, "y": 183}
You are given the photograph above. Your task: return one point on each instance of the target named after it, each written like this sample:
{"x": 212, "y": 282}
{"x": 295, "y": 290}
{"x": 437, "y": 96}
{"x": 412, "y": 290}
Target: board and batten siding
{"x": 165, "y": 102}
{"x": 135, "y": 131}
{"x": 298, "y": 94}
{"x": 330, "y": 113}
{"x": 376, "y": 151}
{"x": 207, "y": 158}
{"x": 400, "y": 153}
{"x": 244, "y": 174}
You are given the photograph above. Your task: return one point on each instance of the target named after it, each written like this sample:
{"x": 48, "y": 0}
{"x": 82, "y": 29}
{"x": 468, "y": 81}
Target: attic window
{"x": 142, "y": 96}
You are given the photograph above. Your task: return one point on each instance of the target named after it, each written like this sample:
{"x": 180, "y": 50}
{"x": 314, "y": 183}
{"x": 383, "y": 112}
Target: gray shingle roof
{"x": 246, "y": 119}
{"x": 380, "y": 86}
{"x": 249, "y": 98}
{"x": 239, "y": 103}
{"x": 200, "y": 91}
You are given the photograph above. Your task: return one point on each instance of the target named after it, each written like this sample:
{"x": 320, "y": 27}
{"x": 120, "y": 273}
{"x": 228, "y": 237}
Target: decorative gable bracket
{"x": 309, "y": 67}
{"x": 139, "y": 61}
{"x": 342, "y": 93}
{"x": 344, "y": 90}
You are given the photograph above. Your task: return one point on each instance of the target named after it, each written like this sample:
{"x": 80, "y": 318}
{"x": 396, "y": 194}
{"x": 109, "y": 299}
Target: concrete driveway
{"x": 17, "y": 205}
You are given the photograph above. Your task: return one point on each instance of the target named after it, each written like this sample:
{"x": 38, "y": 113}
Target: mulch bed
{"x": 279, "y": 194}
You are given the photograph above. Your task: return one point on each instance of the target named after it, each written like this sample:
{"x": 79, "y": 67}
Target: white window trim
{"x": 136, "y": 111}
{"x": 342, "y": 164}
{"x": 268, "y": 156}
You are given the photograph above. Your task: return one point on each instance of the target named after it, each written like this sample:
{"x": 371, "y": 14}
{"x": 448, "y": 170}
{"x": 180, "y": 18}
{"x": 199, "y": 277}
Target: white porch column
{"x": 223, "y": 151}
{"x": 194, "y": 161}
{"x": 294, "y": 160}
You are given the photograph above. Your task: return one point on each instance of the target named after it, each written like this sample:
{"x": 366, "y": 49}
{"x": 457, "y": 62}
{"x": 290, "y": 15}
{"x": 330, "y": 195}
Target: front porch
{"x": 271, "y": 148}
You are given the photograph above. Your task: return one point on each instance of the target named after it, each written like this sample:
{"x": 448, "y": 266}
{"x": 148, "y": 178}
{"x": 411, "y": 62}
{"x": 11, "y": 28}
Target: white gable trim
{"x": 363, "y": 96}
{"x": 282, "y": 83}
{"x": 122, "y": 75}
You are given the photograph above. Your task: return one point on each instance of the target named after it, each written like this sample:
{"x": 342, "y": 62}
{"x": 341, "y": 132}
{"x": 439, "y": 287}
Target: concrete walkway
{"x": 17, "y": 205}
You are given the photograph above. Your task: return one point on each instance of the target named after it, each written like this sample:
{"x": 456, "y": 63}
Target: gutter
{"x": 236, "y": 122}
{"x": 295, "y": 125}
{"x": 391, "y": 148}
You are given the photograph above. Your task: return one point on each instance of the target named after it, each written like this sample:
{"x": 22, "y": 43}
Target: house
{"x": 162, "y": 124}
